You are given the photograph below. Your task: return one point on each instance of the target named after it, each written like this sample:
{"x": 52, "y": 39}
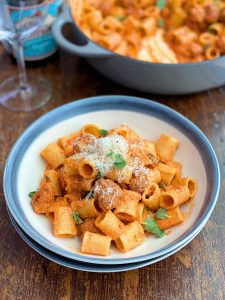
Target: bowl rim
{"x": 108, "y": 102}
{"x": 132, "y": 59}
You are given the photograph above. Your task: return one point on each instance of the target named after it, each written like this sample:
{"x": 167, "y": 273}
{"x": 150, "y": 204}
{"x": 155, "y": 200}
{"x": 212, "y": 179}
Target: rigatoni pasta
{"x": 150, "y": 196}
{"x": 112, "y": 186}
{"x": 108, "y": 223}
{"x": 167, "y": 31}
{"x": 174, "y": 217}
{"x": 64, "y": 225}
{"x": 54, "y": 155}
{"x": 177, "y": 195}
{"x": 94, "y": 243}
{"x": 132, "y": 236}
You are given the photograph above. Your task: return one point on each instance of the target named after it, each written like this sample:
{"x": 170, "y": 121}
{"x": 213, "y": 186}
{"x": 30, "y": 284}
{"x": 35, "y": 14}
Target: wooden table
{"x": 195, "y": 272}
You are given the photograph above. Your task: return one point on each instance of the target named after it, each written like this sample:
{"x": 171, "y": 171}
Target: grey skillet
{"x": 167, "y": 79}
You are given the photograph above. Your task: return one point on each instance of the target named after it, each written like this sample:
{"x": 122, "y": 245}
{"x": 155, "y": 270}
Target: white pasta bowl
{"x": 24, "y": 169}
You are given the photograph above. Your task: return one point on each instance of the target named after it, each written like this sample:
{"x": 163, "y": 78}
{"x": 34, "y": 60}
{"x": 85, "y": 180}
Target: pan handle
{"x": 88, "y": 50}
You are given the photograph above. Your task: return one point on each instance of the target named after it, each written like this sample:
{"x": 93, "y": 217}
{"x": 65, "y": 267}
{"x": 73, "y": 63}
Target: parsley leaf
{"x": 76, "y": 218}
{"x": 161, "y": 214}
{"x": 212, "y": 30}
{"x": 161, "y": 3}
{"x": 162, "y": 186}
{"x": 151, "y": 226}
{"x": 103, "y": 132}
{"x": 119, "y": 161}
{"x": 121, "y": 18}
{"x": 111, "y": 153}
{"x": 160, "y": 23}
{"x": 31, "y": 194}
{"x": 100, "y": 175}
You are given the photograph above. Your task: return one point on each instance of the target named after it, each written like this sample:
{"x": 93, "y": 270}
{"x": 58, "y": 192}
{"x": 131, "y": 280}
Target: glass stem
{"x": 21, "y": 65}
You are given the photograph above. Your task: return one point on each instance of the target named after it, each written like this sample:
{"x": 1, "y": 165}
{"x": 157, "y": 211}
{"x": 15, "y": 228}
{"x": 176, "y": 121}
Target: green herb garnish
{"x": 212, "y": 30}
{"x": 161, "y": 3}
{"x": 121, "y": 18}
{"x": 100, "y": 174}
{"x": 103, "y": 132}
{"x": 31, "y": 194}
{"x": 160, "y": 23}
{"x": 111, "y": 153}
{"x": 76, "y": 218}
{"x": 161, "y": 214}
{"x": 151, "y": 226}
{"x": 162, "y": 186}
{"x": 119, "y": 162}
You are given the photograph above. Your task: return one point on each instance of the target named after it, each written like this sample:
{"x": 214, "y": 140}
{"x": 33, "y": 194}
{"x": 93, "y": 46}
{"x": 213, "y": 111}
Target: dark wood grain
{"x": 196, "y": 272}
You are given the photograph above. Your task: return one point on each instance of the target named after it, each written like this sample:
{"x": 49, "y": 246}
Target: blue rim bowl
{"x": 100, "y": 103}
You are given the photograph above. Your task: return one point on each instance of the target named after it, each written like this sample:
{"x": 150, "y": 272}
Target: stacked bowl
{"x": 24, "y": 168}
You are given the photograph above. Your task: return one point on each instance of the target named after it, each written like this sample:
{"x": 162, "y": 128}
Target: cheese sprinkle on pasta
{"x": 98, "y": 152}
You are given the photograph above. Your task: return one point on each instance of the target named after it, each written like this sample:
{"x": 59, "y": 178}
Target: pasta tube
{"x": 87, "y": 169}
{"x": 54, "y": 155}
{"x": 59, "y": 202}
{"x": 66, "y": 142}
{"x": 151, "y": 195}
{"x": 174, "y": 197}
{"x": 109, "y": 224}
{"x": 91, "y": 129}
{"x": 71, "y": 167}
{"x": 177, "y": 166}
{"x": 63, "y": 224}
{"x": 189, "y": 182}
{"x": 167, "y": 173}
{"x": 123, "y": 131}
{"x": 86, "y": 184}
{"x": 132, "y": 236}
{"x": 94, "y": 243}
{"x": 165, "y": 147}
{"x": 54, "y": 178}
{"x": 127, "y": 208}
{"x": 174, "y": 218}
{"x": 141, "y": 212}
{"x": 88, "y": 209}
{"x": 212, "y": 52}
{"x": 155, "y": 175}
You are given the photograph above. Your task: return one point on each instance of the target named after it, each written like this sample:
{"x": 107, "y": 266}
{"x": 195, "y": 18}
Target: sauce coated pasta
{"x": 112, "y": 187}
{"x": 164, "y": 31}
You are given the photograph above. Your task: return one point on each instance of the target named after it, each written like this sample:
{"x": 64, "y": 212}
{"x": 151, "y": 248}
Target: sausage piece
{"x": 197, "y": 14}
{"x": 43, "y": 198}
{"x": 107, "y": 193}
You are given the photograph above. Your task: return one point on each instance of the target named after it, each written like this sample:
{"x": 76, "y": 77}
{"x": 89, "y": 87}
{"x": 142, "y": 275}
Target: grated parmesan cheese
{"x": 115, "y": 143}
{"x": 98, "y": 152}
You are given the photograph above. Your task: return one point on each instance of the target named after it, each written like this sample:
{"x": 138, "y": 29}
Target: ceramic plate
{"x": 24, "y": 169}
{"x": 76, "y": 265}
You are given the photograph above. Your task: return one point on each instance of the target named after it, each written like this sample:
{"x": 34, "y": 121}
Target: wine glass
{"x": 19, "y": 19}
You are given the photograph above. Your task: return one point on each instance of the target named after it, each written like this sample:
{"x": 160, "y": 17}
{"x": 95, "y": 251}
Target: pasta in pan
{"x": 112, "y": 187}
{"x": 164, "y": 31}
